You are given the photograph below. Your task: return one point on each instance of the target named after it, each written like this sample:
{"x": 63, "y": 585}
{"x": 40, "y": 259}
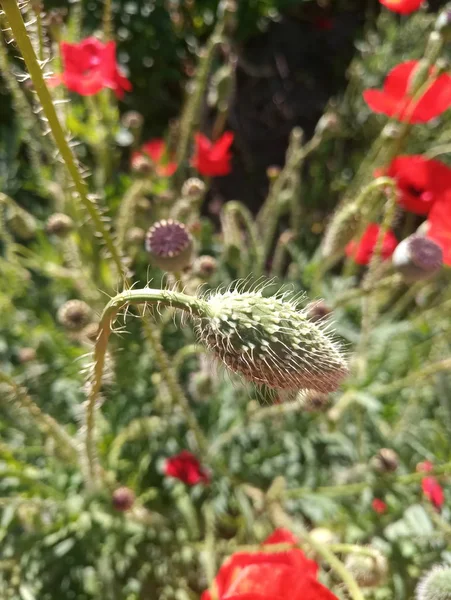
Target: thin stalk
{"x": 107, "y": 20}
{"x": 17, "y": 25}
{"x": 247, "y": 220}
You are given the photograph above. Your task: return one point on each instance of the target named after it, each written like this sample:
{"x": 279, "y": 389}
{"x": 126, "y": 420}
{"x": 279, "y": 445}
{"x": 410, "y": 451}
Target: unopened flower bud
{"x": 386, "y": 461}
{"x": 322, "y": 535}
{"x": 368, "y": 571}
{"x": 170, "y": 245}
{"x": 141, "y": 165}
{"x": 136, "y": 236}
{"x": 59, "y": 224}
{"x": 193, "y": 189}
{"x": 74, "y": 314}
{"x": 313, "y": 401}
{"x": 436, "y": 585}
{"x": 132, "y": 119}
{"x": 90, "y": 332}
{"x": 417, "y": 258}
{"x": 26, "y": 355}
{"x": 273, "y": 173}
{"x": 205, "y": 266}
{"x": 269, "y": 340}
{"x": 318, "y": 310}
{"x": 123, "y": 499}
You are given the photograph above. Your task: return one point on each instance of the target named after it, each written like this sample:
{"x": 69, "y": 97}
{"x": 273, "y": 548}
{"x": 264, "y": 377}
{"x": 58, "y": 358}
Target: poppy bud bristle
{"x": 436, "y": 585}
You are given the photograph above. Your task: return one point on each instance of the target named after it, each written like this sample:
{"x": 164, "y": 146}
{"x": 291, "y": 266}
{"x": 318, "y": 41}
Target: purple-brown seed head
{"x": 170, "y": 245}
{"x": 123, "y": 499}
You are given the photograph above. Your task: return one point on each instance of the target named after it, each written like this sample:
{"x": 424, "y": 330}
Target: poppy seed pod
{"x": 59, "y": 224}
{"x": 270, "y": 341}
{"x": 74, "y": 314}
{"x": 170, "y": 245}
{"x": 368, "y": 571}
{"x": 436, "y": 585}
{"x": 123, "y": 499}
{"x": 386, "y": 461}
{"x": 417, "y": 258}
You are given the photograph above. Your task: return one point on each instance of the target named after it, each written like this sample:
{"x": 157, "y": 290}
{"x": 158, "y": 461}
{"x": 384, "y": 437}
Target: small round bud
{"x": 417, "y": 258}
{"x": 132, "y": 119}
{"x": 59, "y": 224}
{"x": 170, "y": 245}
{"x": 90, "y": 332}
{"x": 270, "y": 341}
{"x": 193, "y": 188}
{"x": 136, "y": 236}
{"x": 205, "y": 266}
{"x": 200, "y": 385}
{"x": 329, "y": 123}
{"x": 386, "y": 461}
{"x": 141, "y": 164}
{"x": 144, "y": 205}
{"x": 436, "y": 585}
{"x": 368, "y": 571}
{"x": 313, "y": 401}
{"x": 318, "y": 310}
{"x": 123, "y": 499}
{"x": 273, "y": 172}
{"x": 74, "y": 314}
{"x": 26, "y": 355}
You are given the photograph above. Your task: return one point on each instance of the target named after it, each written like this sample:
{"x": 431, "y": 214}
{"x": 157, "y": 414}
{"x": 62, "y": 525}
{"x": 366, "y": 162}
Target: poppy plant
{"x": 361, "y": 251}
{"x": 212, "y": 159}
{"x": 284, "y": 575}
{"x": 186, "y": 467}
{"x": 403, "y": 7}
{"x": 156, "y": 151}
{"x": 394, "y": 99}
{"x": 379, "y": 506}
{"x": 420, "y": 181}
{"x": 89, "y": 67}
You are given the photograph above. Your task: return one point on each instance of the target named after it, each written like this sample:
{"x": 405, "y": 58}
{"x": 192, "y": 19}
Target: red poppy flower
{"x": 439, "y": 225}
{"x": 421, "y": 181}
{"x": 442, "y": 236}
{"x": 424, "y": 467}
{"x": 403, "y": 7}
{"x": 433, "y": 491}
{"x": 157, "y": 152}
{"x": 186, "y": 467}
{"x": 394, "y": 101}
{"x": 362, "y": 251}
{"x": 212, "y": 159}
{"x": 285, "y": 575}
{"x": 90, "y": 66}
{"x": 379, "y": 506}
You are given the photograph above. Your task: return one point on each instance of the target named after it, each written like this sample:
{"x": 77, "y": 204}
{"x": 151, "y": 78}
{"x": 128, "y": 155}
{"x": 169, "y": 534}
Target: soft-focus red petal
{"x": 433, "y": 491}
{"x": 281, "y": 536}
{"x": 85, "y": 86}
{"x": 397, "y": 81}
{"x": 155, "y": 149}
{"x": 380, "y": 102}
{"x": 202, "y": 142}
{"x": 416, "y": 180}
{"x": 362, "y": 251}
{"x": 402, "y": 7}
{"x": 443, "y": 239}
{"x": 221, "y": 146}
{"x": 435, "y": 101}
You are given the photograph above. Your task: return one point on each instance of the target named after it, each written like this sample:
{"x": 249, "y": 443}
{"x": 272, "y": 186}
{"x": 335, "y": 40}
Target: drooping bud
{"x": 313, "y": 401}
{"x": 170, "y": 245}
{"x": 368, "y": 571}
{"x": 141, "y": 165}
{"x": 386, "y": 461}
{"x": 417, "y": 258}
{"x": 74, "y": 314}
{"x": 200, "y": 385}
{"x": 193, "y": 189}
{"x": 318, "y": 310}
{"x": 436, "y": 585}
{"x": 269, "y": 340}
{"x": 132, "y": 119}
{"x": 90, "y": 332}
{"x": 123, "y": 499}
{"x": 59, "y": 224}
{"x": 204, "y": 266}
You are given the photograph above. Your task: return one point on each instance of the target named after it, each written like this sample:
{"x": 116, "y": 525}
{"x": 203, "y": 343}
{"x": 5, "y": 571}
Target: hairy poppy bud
{"x": 59, "y": 224}
{"x": 313, "y": 401}
{"x": 205, "y": 266}
{"x": 318, "y": 310}
{"x": 170, "y": 245}
{"x": 368, "y": 571}
{"x": 436, "y": 585}
{"x": 193, "y": 188}
{"x": 123, "y": 499}
{"x": 74, "y": 314}
{"x": 417, "y": 258}
{"x": 132, "y": 119}
{"x": 386, "y": 461}
{"x": 270, "y": 341}
{"x": 90, "y": 332}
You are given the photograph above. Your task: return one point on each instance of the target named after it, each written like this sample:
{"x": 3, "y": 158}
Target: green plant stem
{"x": 185, "y": 353}
{"x": 255, "y": 252}
{"x": 17, "y": 25}
{"x": 413, "y": 379}
{"x": 194, "y": 306}
{"x": 107, "y": 20}
{"x": 127, "y": 211}
{"x": 281, "y": 519}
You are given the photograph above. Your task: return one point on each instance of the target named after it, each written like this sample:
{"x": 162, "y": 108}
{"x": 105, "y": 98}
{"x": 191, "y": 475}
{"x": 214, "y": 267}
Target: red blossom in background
{"x": 424, "y": 467}
{"x": 394, "y": 101}
{"x": 439, "y": 225}
{"x": 403, "y": 7}
{"x": 212, "y": 159}
{"x": 157, "y": 152}
{"x": 362, "y": 251}
{"x": 420, "y": 181}
{"x": 89, "y": 67}
{"x": 287, "y": 575}
{"x": 379, "y": 506}
{"x": 186, "y": 467}
{"x": 433, "y": 491}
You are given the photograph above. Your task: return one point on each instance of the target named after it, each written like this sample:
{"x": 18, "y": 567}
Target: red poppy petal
{"x": 380, "y": 102}
{"x": 397, "y": 81}
{"x": 281, "y": 536}
{"x": 155, "y": 149}
{"x": 167, "y": 170}
{"x": 202, "y": 142}
{"x": 85, "y": 86}
{"x": 221, "y": 147}
{"x": 402, "y": 7}
{"x": 435, "y": 101}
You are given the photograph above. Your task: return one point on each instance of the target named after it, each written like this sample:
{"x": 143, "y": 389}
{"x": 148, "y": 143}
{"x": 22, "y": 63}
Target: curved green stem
{"x": 17, "y": 25}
